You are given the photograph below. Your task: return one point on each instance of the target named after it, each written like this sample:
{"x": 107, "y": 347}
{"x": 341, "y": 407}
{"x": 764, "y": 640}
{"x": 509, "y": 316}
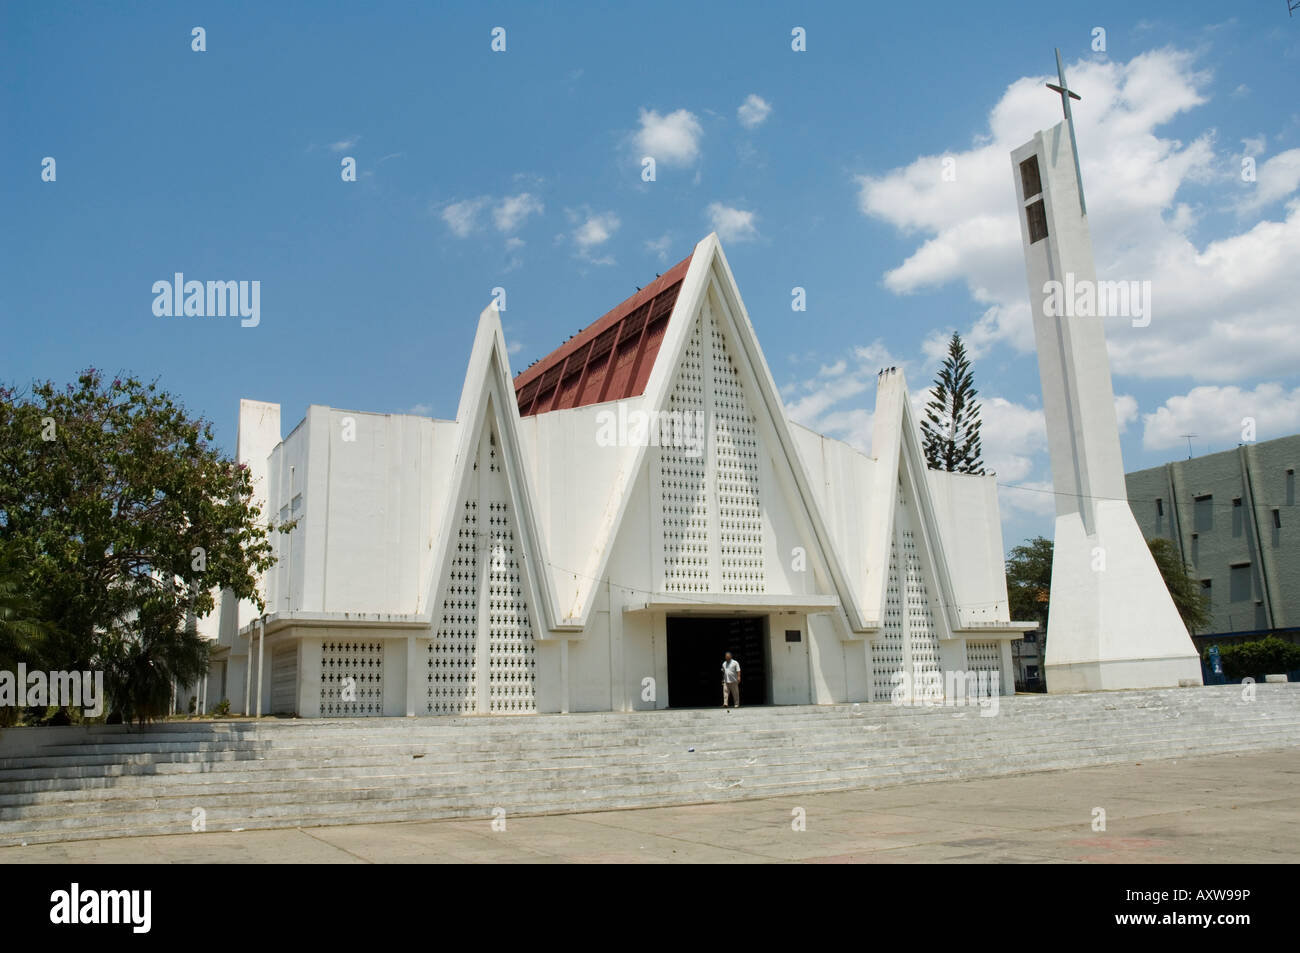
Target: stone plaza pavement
{"x": 1222, "y": 808}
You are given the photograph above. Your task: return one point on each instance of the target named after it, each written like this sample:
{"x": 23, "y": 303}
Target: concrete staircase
{"x": 102, "y": 781}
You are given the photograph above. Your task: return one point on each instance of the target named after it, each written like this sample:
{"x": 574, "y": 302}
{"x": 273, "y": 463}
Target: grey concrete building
{"x": 1234, "y": 519}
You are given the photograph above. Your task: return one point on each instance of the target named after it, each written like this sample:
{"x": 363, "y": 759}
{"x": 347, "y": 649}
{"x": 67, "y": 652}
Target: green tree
{"x": 951, "y": 428}
{"x": 1029, "y": 584}
{"x": 130, "y": 518}
{"x": 1189, "y": 598}
{"x": 21, "y": 632}
{"x": 1267, "y": 656}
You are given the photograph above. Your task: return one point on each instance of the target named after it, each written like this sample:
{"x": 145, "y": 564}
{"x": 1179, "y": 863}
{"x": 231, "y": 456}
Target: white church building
{"x": 594, "y": 533}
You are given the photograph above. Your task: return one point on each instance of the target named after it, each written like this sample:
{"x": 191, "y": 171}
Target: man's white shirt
{"x": 731, "y": 671}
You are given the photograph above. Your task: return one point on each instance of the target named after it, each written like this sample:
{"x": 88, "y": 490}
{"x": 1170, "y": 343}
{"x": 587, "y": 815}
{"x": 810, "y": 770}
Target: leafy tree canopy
{"x": 1189, "y": 598}
{"x": 124, "y": 519}
{"x": 1029, "y": 582}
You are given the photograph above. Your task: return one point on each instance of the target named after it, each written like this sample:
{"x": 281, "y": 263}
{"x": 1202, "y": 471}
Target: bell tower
{"x": 1111, "y": 623}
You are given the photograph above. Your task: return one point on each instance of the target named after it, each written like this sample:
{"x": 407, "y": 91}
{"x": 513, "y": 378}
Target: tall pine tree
{"x": 951, "y": 428}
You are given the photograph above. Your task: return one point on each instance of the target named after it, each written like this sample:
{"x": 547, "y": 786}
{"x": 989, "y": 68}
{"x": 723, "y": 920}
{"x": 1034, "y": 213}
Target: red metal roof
{"x": 608, "y": 360}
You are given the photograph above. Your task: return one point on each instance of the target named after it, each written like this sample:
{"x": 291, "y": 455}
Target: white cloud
{"x": 1034, "y": 498}
{"x": 1218, "y": 415}
{"x": 344, "y": 144}
{"x": 462, "y": 217}
{"x": 1014, "y": 441}
{"x": 1275, "y": 178}
{"x": 732, "y": 224}
{"x": 1126, "y": 410}
{"x": 420, "y": 410}
{"x": 594, "y": 230}
{"x": 508, "y": 214}
{"x": 1013, "y": 437}
{"x": 513, "y": 210}
{"x": 672, "y": 140}
{"x": 816, "y": 401}
{"x": 1223, "y": 309}
{"x": 660, "y": 246}
{"x": 1254, "y": 145}
{"x": 753, "y": 111}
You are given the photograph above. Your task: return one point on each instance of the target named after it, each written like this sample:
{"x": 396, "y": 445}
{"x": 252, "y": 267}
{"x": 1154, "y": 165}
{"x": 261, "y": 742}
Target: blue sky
{"x": 521, "y": 169}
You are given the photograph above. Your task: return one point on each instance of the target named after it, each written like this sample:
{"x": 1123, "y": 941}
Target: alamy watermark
{"x": 949, "y": 689}
{"x": 38, "y": 689}
{"x": 1086, "y": 298}
{"x": 128, "y": 907}
{"x": 212, "y": 299}
{"x": 683, "y": 429}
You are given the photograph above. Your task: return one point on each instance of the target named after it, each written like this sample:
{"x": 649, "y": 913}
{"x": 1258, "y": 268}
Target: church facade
{"x": 595, "y": 532}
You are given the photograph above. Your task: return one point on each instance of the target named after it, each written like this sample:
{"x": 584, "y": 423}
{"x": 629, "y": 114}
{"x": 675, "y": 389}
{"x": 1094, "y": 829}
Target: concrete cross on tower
{"x": 1113, "y": 624}
{"x": 1066, "y": 95}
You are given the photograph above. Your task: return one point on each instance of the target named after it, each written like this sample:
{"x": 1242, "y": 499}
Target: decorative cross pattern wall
{"x": 452, "y": 678}
{"x": 484, "y": 656}
{"x": 682, "y": 483}
{"x": 735, "y": 442}
{"x": 887, "y": 652}
{"x": 909, "y": 637}
{"x": 921, "y": 634}
{"x": 512, "y": 652}
{"x": 712, "y": 491}
{"x": 985, "y": 657}
{"x": 352, "y": 679}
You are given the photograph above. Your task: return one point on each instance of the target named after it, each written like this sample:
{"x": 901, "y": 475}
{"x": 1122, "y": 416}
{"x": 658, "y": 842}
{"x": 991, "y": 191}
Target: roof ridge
{"x": 609, "y": 359}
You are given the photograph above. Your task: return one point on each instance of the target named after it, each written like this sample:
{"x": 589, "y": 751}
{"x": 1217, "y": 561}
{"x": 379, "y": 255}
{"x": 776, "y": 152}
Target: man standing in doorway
{"x": 730, "y": 681}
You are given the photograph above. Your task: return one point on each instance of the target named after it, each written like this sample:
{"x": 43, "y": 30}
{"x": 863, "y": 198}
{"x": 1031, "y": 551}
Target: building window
{"x": 1160, "y": 507}
{"x": 1277, "y": 518}
{"x": 1238, "y": 520}
{"x": 1037, "y": 214}
{"x": 1203, "y": 513}
{"x": 1239, "y": 587}
{"x": 1207, "y": 590}
{"x": 1030, "y": 179}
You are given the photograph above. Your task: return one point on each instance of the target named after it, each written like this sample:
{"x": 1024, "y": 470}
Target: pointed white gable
{"x": 900, "y": 480}
{"x": 710, "y": 334}
{"x": 487, "y": 411}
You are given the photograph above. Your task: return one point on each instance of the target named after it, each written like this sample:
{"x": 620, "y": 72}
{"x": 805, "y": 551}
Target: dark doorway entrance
{"x": 696, "y": 645}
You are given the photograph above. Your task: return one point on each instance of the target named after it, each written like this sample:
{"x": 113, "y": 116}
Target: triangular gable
{"x": 488, "y": 395}
{"x": 896, "y": 445}
{"x": 709, "y": 274}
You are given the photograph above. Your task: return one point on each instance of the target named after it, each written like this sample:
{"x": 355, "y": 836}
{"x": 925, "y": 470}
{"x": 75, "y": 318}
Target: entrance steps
{"x": 115, "y": 781}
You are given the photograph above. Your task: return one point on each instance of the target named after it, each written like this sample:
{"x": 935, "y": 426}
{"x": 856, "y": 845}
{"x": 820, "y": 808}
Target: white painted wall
{"x": 576, "y": 484}
{"x": 369, "y": 510}
{"x": 788, "y": 661}
{"x": 967, "y": 508}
